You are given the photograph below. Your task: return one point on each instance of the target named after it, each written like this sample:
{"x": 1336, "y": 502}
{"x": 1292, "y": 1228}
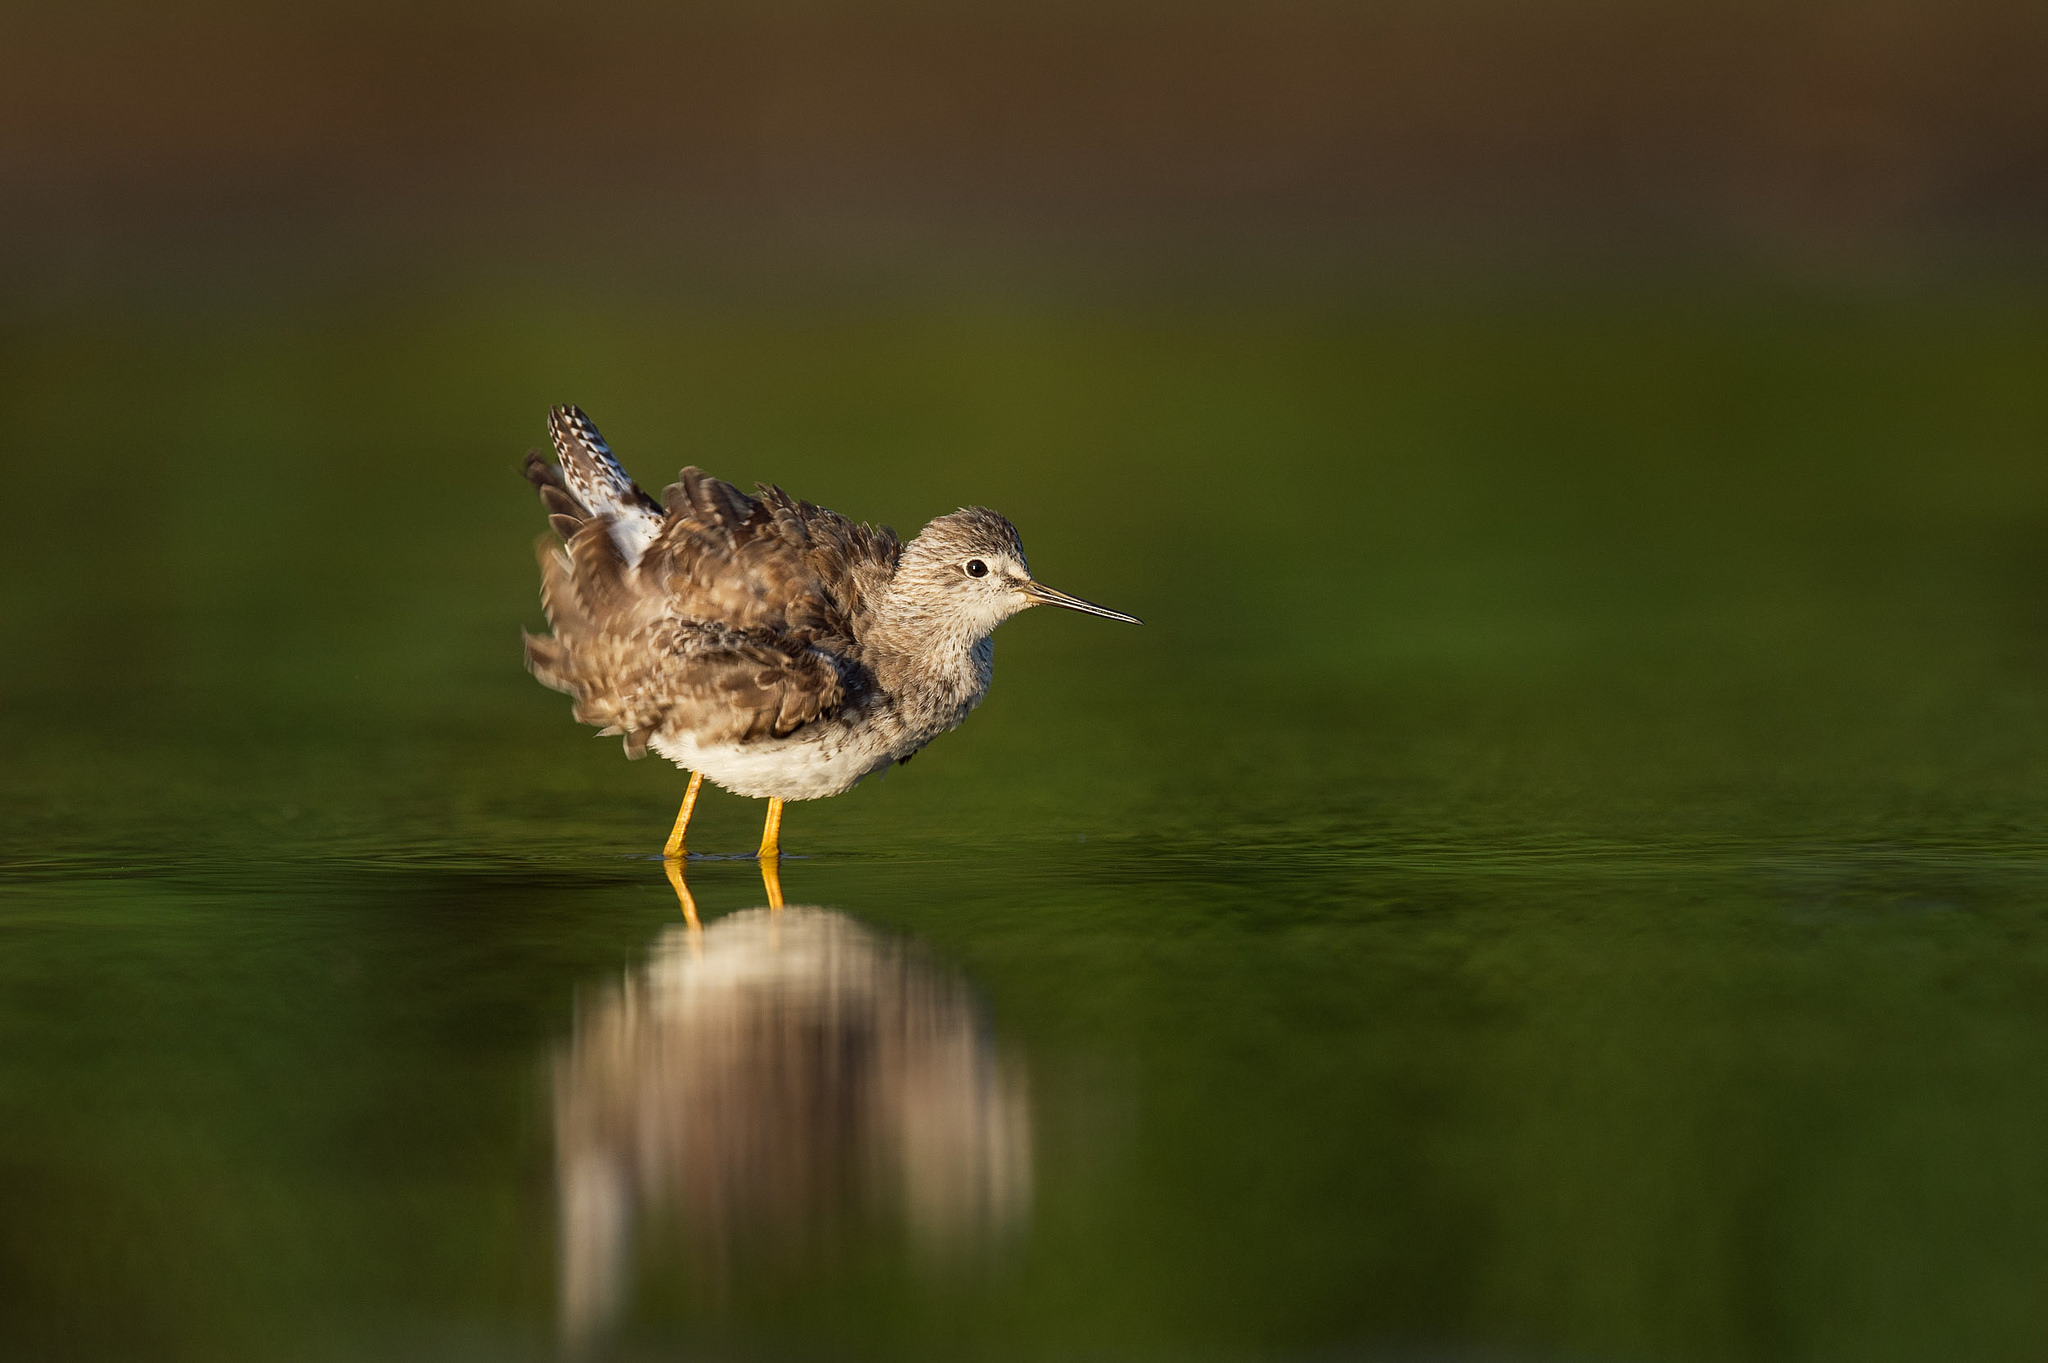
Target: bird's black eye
{"x": 976, "y": 568}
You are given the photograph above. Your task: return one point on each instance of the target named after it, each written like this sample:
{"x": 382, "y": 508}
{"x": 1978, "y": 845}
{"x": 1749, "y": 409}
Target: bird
{"x": 777, "y": 648}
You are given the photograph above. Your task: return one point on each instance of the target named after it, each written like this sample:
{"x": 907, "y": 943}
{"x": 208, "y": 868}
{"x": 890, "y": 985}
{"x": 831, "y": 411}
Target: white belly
{"x": 803, "y": 767}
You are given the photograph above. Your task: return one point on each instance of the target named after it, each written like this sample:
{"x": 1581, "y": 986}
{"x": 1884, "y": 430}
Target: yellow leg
{"x": 771, "y": 880}
{"x": 674, "y": 867}
{"x": 771, "y": 832}
{"x": 675, "y": 837}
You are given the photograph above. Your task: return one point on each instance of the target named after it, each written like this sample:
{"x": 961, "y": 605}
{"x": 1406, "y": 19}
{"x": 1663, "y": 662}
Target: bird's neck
{"x": 931, "y": 657}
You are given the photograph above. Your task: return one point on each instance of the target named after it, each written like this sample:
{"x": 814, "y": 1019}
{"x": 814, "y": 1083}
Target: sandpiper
{"x": 769, "y": 644}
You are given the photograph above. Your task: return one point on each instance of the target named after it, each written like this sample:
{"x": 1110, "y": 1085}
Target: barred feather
{"x": 719, "y": 623}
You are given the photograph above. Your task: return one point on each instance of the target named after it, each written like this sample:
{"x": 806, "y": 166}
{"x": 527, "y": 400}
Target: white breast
{"x": 806, "y": 766}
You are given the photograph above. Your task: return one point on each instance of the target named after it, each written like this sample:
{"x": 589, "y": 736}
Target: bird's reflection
{"x": 766, "y": 1082}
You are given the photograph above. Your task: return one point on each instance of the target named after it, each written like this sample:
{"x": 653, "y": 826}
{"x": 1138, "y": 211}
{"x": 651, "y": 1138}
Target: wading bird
{"x": 769, "y": 644}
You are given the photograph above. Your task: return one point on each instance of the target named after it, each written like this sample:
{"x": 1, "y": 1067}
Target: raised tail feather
{"x": 591, "y": 483}
{"x": 606, "y": 523}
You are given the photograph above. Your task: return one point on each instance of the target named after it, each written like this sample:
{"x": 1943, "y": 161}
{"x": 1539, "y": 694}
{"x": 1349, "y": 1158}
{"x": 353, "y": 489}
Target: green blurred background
{"x": 1559, "y": 874}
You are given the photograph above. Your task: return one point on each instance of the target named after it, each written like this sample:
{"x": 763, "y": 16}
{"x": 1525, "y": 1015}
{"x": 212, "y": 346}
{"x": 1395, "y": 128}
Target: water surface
{"x": 1559, "y": 875}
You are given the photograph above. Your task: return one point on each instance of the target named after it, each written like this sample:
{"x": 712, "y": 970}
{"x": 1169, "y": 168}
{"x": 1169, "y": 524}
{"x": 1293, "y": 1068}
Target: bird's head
{"x": 968, "y": 570}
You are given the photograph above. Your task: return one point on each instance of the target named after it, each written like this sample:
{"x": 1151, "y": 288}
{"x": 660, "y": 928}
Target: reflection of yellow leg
{"x": 675, "y": 838}
{"x": 771, "y": 832}
{"x": 674, "y": 867}
{"x": 771, "y": 878}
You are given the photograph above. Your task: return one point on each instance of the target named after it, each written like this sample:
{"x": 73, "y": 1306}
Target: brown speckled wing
{"x": 740, "y": 621}
{"x": 769, "y": 562}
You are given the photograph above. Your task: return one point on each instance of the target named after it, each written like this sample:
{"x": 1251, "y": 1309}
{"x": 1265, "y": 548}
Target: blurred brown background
{"x": 1880, "y": 132}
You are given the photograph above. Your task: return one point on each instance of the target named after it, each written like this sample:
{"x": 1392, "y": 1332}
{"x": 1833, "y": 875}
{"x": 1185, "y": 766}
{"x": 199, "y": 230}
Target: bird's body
{"x": 777, "y": 648}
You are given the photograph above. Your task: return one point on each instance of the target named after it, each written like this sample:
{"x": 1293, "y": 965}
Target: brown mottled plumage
{"x": 776, "y": 647}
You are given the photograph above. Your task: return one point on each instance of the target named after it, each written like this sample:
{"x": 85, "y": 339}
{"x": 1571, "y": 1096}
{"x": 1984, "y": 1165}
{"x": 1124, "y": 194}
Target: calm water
{"x": 1560, "y": 875}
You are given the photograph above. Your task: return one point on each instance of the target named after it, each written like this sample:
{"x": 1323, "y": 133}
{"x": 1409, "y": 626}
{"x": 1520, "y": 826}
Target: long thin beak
{"x": 1040, "y": 594}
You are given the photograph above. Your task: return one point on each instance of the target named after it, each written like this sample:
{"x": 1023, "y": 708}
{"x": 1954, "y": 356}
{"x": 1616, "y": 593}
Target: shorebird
{"x": 777, "y": 648}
